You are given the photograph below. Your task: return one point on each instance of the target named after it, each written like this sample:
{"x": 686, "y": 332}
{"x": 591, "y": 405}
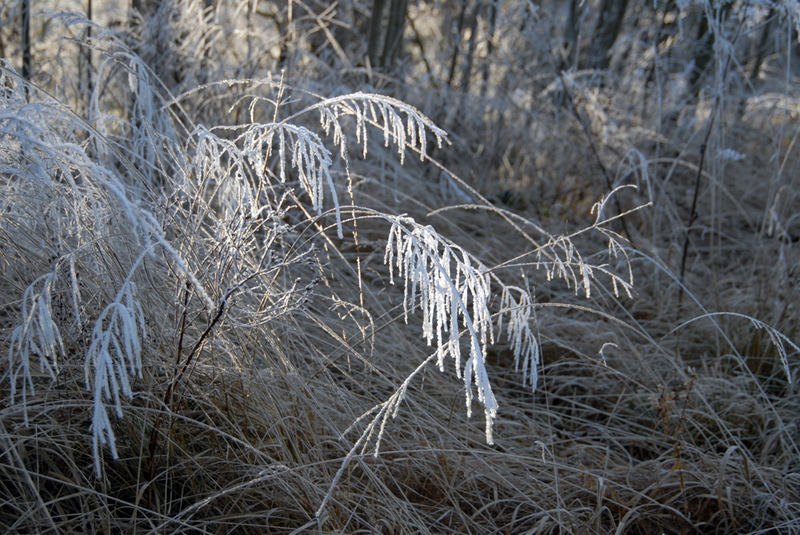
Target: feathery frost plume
{"x": 384, "y": 113}
{"x": 114, "y": 355}
{"x": 452, "y": 289}
{"x": 442, "y": 280}
{"x": 37, "y": 336}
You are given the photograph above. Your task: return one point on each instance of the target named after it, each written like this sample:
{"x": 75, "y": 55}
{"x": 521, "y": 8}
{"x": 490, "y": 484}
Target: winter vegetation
{"x": 380, "y": 266}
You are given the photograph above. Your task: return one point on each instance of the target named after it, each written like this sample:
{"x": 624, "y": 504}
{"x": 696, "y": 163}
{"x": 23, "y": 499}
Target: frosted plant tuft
{"x": 114, "y": 356}
{"x": 37, "y": 336}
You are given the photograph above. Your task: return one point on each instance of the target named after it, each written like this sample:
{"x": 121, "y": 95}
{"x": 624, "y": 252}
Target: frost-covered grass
{"x": 239, "y": 301}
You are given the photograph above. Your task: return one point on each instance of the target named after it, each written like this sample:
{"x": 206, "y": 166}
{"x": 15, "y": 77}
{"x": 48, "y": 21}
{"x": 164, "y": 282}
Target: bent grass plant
{"x": 450, "y": 287}
{"x": 37, "y": 336}
{"x": 114, "y": 357}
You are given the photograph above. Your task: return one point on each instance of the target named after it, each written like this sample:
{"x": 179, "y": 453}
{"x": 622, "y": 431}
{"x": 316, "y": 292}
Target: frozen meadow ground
{"x": 236, "y": 299}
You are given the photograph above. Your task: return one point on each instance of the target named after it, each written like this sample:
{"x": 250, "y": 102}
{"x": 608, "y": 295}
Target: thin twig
{"x": 171, "y": 387}
{"x": 587, "y": 131}
{"x": 698, "y": 176}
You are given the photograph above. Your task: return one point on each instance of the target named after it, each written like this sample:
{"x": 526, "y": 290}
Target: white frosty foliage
{"x": 300, "y": 150}
{"x": 562, "y": 260}
{"x": 453, "y": 291}
{"x": 151, "y": 128}
{"x": 524, "y": 345}
{"x": 234, "y": 171}
{"x": 114, "y": 355}
{"x": 219, "y": 171}
{"x": 730, "y": 154}
{"x": 442, "y": 280}
{"x": 37, "y": 336}
{"x": 401, "y": 123}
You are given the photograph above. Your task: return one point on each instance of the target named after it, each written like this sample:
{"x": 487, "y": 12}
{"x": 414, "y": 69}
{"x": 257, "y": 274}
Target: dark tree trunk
{"x": 457, "y": 44}
{"x": 466, "y": 75}
{"x": 375, "y": 27}
{"x": 88, "y": 57}
{"x": 394, "y": 32}
{"x": 384, "y": 46}
{"x": 762, "y": 48}
{"x": 704, "y": 50}
{"x": 664, "y": 31}
{"x": 570, "y": 46}
{"x": 26, "y": 43}
{"x": 612, "y": 13}
{"x": 489, "y": 45}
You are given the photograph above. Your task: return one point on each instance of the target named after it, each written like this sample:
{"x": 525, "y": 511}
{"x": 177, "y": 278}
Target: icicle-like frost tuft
{"x": 302, "y": 150}
{"x": 400, "y": 123}
{"x": 37, "y": 336}
{"x": 453, "y": 290}
{"x": 114, "y": 356}
{"x": 523, "y": 342}
{"x": 442, "y": 280}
